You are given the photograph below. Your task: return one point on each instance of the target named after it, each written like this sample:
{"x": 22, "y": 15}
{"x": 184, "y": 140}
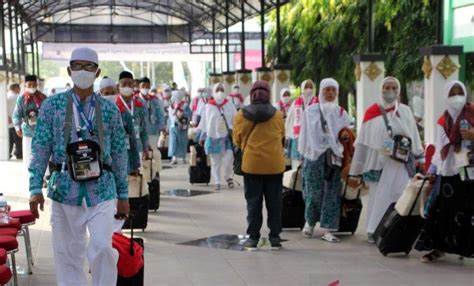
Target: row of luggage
{"x": 293, "y": 206}
{"x": 398, "y": 229}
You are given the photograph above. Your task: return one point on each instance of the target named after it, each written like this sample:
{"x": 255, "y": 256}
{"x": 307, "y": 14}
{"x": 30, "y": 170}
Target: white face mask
{"x": 457, "y": 102}
{"x": 144, "y": 91}
{"x": 285, "y": 99}
{"x": 83, "y": 79}
{"x": 30, "y": 90}
{"x": 389, "y": 96}
{"x": 126, "y": 91}
{"x": 308, "y": 92}
{"x": 219, "y": 97}
{"x": 236, "y": 90}
{"x": 111, "y": 98}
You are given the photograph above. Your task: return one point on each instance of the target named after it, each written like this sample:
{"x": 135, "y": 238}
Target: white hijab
{"x": 447, "y": 88}
{"x": 387, "y": 80}
{"x": 312, "y": 143}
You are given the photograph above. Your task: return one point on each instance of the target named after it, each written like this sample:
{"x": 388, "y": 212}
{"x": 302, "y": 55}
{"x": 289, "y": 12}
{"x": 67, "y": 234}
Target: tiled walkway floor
{"x": 302, "y": 262}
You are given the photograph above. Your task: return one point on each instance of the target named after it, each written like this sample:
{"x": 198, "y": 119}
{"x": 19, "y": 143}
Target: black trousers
{"x": 15, "y": 140}
{"x": 258, "y": 187}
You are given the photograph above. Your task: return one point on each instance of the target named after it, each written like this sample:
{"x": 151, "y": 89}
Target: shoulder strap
{"x": 385, "y": 119}
{"x": 248, "y": 137}
{"x": 68, "y": 121}
{"x": 100, "y": 125}
{"x": 229, "y": 134}
{"x": 324, "y": 123}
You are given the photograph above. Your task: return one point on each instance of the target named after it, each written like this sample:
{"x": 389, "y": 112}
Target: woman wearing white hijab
{"x": 216, "y": 125}
{"x": 178, "y": 124}
{"x": 320, "y": 127}
{"x": 294, "y": 117}
{"x": 385, "y": 176}
{"x": 449, "y": 227}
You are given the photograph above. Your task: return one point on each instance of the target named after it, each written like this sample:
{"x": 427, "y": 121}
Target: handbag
{"x": 400, "y": 149}
{"x": 333, "y": 162}
{"x": 136, "y": 187}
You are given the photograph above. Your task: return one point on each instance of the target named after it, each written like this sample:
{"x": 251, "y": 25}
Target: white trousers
{"x": 222, "y": 161}
{"x": 69, "y": 225}
{"x": 370, "y": 203}
{"x": 26, "y": 151}
{"x": 392, "y": 183}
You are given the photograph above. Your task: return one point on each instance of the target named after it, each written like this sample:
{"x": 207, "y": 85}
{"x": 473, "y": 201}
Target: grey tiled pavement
{"x": 301, "y": 262}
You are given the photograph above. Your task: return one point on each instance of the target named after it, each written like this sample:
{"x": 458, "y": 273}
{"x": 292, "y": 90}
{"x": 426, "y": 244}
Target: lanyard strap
{"x": 68, "y": 124}
{"x": 131, "y": 111}
{"x": 79, "y": 113}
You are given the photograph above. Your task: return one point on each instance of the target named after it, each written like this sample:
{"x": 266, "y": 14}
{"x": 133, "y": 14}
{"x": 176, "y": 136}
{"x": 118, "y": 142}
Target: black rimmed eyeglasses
{"x": 91, "y": 67}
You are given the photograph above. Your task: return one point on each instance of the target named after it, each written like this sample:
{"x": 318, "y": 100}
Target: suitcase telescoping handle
{"x": 132, "y": 249}
{"x": 425, "y": 179}
{"x": 347, "y": 182}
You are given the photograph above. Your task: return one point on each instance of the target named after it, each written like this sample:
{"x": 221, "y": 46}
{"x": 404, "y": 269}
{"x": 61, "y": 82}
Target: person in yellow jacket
{"x": 259, "y": 131}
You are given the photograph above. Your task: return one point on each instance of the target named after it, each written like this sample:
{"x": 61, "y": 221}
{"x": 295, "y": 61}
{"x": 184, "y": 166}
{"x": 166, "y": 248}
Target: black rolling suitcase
{"x": 139, "y": 278}
{"x": 350, "y": 212}
{"x": 154, "y": 189}
{"x": 200, "y": 173}
{"x": 138, "y": 210}
{"x": 292, "y": 208}
{"x": 396, "y": 233}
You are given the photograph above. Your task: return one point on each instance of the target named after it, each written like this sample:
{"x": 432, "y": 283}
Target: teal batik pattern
{"x": 49, "y": 142}
{"x": 19, "y": 115}
{"x": 322, "y": 198}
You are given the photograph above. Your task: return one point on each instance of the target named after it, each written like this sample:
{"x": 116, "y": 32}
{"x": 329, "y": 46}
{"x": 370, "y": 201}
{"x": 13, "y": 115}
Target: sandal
{"x": 307, "y": 230}
{"x": 329, "y": 237}
{"x": 432, "y": 256}
{"x": 230, "y": 183}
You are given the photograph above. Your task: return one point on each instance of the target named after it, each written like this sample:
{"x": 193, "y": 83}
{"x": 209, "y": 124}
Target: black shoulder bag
{"x": 333, "y": 162}
{"x": 401, "y": 150}
{"x": 84, "y": 158}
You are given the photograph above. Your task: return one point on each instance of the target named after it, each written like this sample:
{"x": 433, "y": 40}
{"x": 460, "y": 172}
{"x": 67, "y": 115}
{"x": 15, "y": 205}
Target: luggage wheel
{"x": 384, "y": 254}
{"x": 143, "y": 230}
{"x": 407, "y": 252}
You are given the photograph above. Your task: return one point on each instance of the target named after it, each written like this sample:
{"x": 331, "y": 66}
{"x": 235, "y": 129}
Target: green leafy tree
{"x": 320, "y": 38}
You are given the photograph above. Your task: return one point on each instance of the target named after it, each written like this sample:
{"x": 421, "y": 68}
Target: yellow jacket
{"x": 263, "y": 153}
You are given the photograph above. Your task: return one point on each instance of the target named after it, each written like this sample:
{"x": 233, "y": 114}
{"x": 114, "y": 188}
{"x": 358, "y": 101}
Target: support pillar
{"x": 4, "y": 140}
{"x": 228, "y": 78}
{"x": 440, "y": 65}
{"x": 244, "y": 80}
{"x": 265, "y": 74}
{"x": 282, "y": 77}
{"x": 369, "y": 73}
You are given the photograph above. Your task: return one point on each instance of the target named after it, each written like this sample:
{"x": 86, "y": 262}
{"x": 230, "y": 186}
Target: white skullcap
{"x": 106, "y": 82}
{"x": 85, "y": 54}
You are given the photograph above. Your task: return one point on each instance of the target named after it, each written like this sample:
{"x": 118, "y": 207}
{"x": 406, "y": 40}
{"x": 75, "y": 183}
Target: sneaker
{"x": 307, "y": 230}
{"x": 251, "y": 245}
{"x": 329, "y": 237}
{"x": 184, "y": 162}
{"x": 276, "y": 245}
{"x": 370, "y": 238}
{"x": 174, "y": 162}
{"x": 217, "y": 187}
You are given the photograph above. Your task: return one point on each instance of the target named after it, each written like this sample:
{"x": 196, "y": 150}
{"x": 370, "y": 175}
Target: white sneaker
{"x": 307, "y": 230}
{"x": 174, "y": 162}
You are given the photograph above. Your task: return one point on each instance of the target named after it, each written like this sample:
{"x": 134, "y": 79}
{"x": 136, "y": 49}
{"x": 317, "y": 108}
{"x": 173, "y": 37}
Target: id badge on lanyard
{"x": 84, "y": 155}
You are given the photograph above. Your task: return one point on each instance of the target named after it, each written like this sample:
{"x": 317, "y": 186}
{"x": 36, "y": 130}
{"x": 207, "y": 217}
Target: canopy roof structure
{"x": 197, "y": 23}
{"x": 132, "y": 21}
